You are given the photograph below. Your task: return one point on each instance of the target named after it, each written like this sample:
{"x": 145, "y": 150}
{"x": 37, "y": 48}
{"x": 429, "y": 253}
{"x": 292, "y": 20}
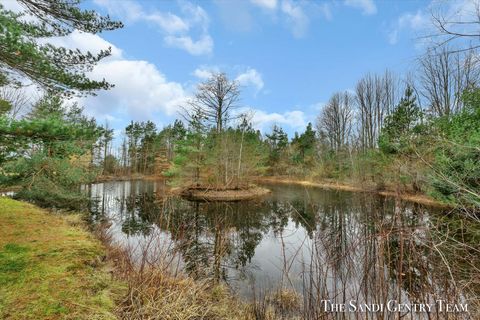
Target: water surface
{"x": 324, "y": 244}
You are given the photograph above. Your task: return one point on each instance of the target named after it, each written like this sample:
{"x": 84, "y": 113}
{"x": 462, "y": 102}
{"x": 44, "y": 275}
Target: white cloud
{"x": 140, "y": 91}
{"x": 266, "y": 4}
{"x": 168, "y": 22}
{"x": 263, "y": 121}
{"x": 325, "y": 10}
{"x": 177, "y": 30}
{"x": 205, "y": 72}
{"x": 248, "y": 77}
{"x": 368, "y": 7}
{"x": 296, "y": 17}
{"x": 408, "y": 21}
{"x": 204, "y": 45}
{"x": 251, "y": 77}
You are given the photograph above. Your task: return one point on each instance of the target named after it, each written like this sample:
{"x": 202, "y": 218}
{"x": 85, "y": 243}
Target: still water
{"x": 324, "y": 244}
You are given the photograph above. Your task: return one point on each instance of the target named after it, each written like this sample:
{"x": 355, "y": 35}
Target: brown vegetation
{"x": 336, "y": 185}
{"x": 225, "y": 194}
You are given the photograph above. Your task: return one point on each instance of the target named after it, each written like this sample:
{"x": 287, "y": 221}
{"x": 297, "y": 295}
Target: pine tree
{"x": 402, "y": 125}
{"x": 53, "y": 68}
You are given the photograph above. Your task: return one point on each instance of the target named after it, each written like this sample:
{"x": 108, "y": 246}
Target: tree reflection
{"x": 361, "y": 247}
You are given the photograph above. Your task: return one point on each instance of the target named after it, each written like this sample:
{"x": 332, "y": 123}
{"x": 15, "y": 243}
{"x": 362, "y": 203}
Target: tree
{"x": 133, "y": 132}
{"x": 455, "y": 172}
{"x": 110, "y": 164}
{"x": 444, "y": 76}
{"x": 190, "y": 152}
{"x": 251, "y": 155}
{"x": 147, "y": 146}
{"x": 214, "y": 100}
{"x": 402, "y": 125}
{"x": 54, "y": 68}
{"x": 305, "y": 145}
{"x": 277, "y": 142}
{"x": 335, "y": 120}
{"x": 49, "y": 106}
{"x": 170, "y": 135}
{"x": 375, "y": 99}
{"x": 459, "y": 27}
{"x": 107, "y": 137}
{"x": 16, "y": 98}
{"x": 48, "y": 154}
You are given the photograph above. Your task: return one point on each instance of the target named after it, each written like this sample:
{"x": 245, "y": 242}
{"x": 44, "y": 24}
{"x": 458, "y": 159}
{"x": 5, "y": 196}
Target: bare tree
{"x": 460, "y": 26}
{"x": 215, "y": 99}
{"x": 335, "y": 120}
{"x": 376, "y": 97}
{"x": 444, "y": 75}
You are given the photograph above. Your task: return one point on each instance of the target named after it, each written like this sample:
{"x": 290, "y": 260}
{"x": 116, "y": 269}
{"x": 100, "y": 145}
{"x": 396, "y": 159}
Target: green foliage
{"x": 277, "y": 142}
{"x": 5, "y": 107}
{"x": 456, "y": 167}
{"x": 190, "y": 152}
{"x": 401, "y": 126}
{"x": 110, "y": 164}
{"x": 304, "y": 146}
{"x": 218, "y": 159}
{"x": 54, "y": 68}
{"x": 47, "y": 154}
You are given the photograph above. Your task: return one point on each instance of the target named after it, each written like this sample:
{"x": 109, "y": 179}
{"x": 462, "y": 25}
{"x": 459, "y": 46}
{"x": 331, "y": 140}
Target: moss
{"x": 49, "y": 267}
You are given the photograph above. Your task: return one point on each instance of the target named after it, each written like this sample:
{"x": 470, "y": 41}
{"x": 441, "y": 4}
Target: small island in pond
{"x": 199, "y": 193}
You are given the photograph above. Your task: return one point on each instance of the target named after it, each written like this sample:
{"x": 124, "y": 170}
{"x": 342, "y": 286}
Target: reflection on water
{"x": 327, "y": 245}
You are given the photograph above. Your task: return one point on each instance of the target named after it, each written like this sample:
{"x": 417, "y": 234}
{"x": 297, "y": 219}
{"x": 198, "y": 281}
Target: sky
{"x": 288, "y": 56}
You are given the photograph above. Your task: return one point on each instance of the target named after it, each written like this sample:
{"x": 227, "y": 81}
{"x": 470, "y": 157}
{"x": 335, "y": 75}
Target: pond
{"x": 328, "y": 246}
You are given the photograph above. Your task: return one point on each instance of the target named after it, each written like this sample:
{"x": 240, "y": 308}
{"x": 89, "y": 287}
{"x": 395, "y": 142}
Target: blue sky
{"x": 289, "y": 56}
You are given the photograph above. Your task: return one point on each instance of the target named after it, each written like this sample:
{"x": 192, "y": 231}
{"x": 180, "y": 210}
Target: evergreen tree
{"x": 455, "y": 171}
{"x": 277, "y": 142}
{"x": 53, "y": 68}
{"x": 402, "y": 125}
{"x": 305, "y": 145}
{"x": 49, "y": 154}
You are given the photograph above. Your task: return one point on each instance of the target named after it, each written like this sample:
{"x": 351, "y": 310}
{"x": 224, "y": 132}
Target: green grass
{"x": 50, "y": 267}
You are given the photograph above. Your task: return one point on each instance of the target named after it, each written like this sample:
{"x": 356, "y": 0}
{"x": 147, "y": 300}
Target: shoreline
{"x": 74, "y": 270}
{"x": 416, "y": 198}
{"x": 332, "y": 185}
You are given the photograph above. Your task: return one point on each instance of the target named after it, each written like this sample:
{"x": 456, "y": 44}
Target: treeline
{"x": 415, "y": 134}
{"x": 212, "y": 145}
{"x": 377, "y": 137}
{"x": 418, "y": 134}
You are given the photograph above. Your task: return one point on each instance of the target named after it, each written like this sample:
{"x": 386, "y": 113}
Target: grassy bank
{"x": 50, "y": 267}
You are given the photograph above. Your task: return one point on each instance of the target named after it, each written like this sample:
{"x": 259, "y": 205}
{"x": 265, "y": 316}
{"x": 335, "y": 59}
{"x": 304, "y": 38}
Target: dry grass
{"x": 155, "y": 291}
{"x": 205, "y": 194}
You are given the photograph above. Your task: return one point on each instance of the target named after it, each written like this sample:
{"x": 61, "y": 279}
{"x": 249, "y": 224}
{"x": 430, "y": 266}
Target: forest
{"x": 413, "y": 135}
